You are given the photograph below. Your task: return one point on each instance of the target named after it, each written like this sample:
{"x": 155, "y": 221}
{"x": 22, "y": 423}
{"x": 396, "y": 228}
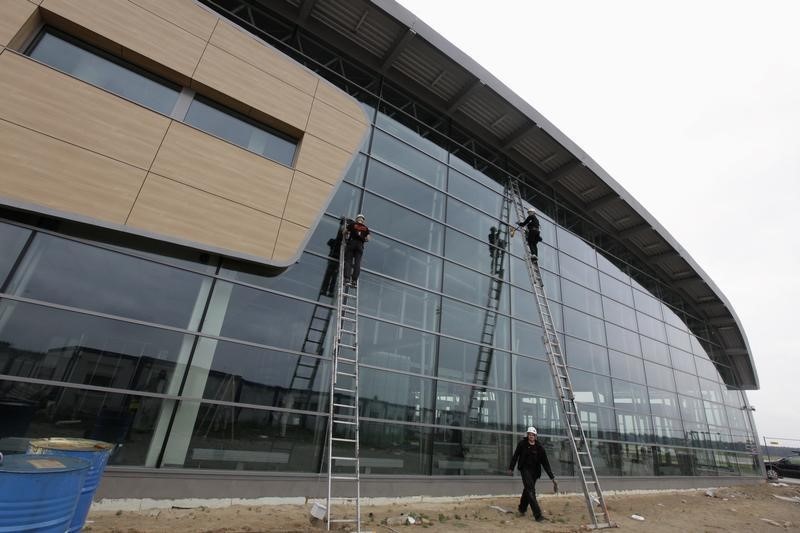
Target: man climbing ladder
{"x": 558, "y": 369}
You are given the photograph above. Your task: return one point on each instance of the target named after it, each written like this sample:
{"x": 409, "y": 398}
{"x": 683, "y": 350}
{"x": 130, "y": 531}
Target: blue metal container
{"x": 39, "y": 493}
{"x": 94, "y": 451}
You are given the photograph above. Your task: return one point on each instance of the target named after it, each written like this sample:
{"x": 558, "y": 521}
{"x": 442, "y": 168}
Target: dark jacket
{"x": 531, "y": 457}
{"x": 357, "y": 232}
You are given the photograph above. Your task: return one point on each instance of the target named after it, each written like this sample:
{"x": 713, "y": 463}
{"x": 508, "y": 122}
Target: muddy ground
{"x": 741, "y": 508}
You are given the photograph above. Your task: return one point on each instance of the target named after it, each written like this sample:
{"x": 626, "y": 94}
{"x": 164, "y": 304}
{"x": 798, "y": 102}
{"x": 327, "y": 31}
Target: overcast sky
{"x": 694, "y": 108}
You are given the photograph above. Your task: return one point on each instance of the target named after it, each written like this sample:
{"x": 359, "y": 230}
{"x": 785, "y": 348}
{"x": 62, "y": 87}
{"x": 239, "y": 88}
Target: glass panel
{"x": 710, "y": 390}
{"x": 581, "y": 298}
{"x": 524, "y": 305}
{"x": 394, "y": 396}
{"x": 114, "y": 76}
{"x": 626, "y": 367}
{"x": 540, "y": 412}
{"x": 474, "y": 288}
{"x": 246, "y": 374}
{"x": 622, "y": 339}
{"x": 668, "y": 430}
{"x": 355, "y": 173}
{"x": 607, "y": 457}
{"x": 679, "y": 339}
{"x": 584, "y": 326}
{"x": 57, "y": 270}
{"x": 395, "y": 347}
{"x": 228, "y": 437}
{"x": 475, "y": 223}
{"x": 575, "y": 246}
{"x": 706, "y": 369}
{"x": 591, "y": 388}
{"x": 469, "y": 170}
{"x": 672, "y": 318}
{"x": 466, "y": 322}
{"x": 687, "y": 384}
{"x": 636, "y": 460}
{"x": 636, "y": 428}
{"x": 605, "y": 265}
{"x": 551, "y": 285}
{"x": 615, "y": 289}
{"x": 692, "y": 409}
{"x": 325, "y": 236}
{"x": 410, "y": 136}
{"x": 630, "y": 397}
{"x": 241, "y": 131}
{"x": 35, "y": 411}
{"x": 472, "y": 406}
{"x": 620, "y": 314}
{"x": 578, "y": 272}
{"x": 397, "y": 186}
{"x": 651, "y": 327}
{"x": 531, "y": 375}
{"x": 408, "y": 159}
{"x": 682, "y": 360}
{"x": 659, "y": 376}
{"x": 468, "y": 362}
{"x": 715, "y": 414}
{"x": 12, "y": 239}
{"x": 655, "y": 351}
{"x": 672, "y": 461}
{"x": 527, "y": 339}
{"x": 470, "y": 453}
{"x": 43, "y": 343}
{"x": 345, "y": 202}
{"x": 647, "y": 304}
{"x": 312, "y": 277}
{"x": 585, "y": 355}
{"x": 403, "y": 262}
{"x": 394, "y": 301}
{"x": 470, "y": 252}
{"x": 386, "y": 217}
{"x": 597, "y": 422}
{"x": 474, "y": 194}
{"x": 736, "y": 418}
{"x": 664, "y": 403}
{"x": 394, "y": 449}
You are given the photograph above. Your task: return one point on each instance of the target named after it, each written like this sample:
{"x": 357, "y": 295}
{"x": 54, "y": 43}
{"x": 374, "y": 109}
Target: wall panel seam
{"x": 155, "y": 156}
{"x": 200, "y": 59}
{"x": 176, "y": 25}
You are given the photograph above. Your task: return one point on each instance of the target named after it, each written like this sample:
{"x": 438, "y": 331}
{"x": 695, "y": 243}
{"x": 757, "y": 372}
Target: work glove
{"x": 555, "y": 487}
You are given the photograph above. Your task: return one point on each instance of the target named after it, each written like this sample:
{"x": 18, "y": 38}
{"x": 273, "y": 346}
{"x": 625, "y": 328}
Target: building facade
{"x": 169, "y": 227}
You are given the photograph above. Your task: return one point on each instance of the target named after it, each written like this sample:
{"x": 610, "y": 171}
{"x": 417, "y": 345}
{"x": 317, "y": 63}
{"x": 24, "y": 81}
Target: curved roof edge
{"x": 744, "y": 368}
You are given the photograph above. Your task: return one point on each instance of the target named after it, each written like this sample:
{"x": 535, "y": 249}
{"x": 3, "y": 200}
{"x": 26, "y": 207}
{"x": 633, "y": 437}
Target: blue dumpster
{"x": 39, "y": 493}
{"x": 94, "y": 451}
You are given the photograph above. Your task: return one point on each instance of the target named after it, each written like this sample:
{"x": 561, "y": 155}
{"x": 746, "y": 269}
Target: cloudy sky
{"x": 694, "y": 108}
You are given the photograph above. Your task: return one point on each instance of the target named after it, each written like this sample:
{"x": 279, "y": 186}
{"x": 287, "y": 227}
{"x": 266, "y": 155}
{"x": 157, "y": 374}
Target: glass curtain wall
{"x": 204, "y": 362}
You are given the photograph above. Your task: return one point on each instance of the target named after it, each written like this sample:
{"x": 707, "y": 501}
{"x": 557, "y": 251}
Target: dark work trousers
{"x": 352, "y": 259}
{"x": 529, "y": 494}
{"x": 533, "y": 239}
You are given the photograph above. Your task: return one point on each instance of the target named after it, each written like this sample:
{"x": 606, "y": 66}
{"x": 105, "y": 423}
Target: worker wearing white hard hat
{"x": 530, "y": 458}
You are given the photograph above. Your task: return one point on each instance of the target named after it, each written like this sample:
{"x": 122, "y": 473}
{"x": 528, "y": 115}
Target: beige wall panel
{"x": 13, "y": 16}
{"x": 205, "y": 162}
{"x": 45, "y": 100}
{"x": 245, "y": 46}
{"x": 306, "y": 198}
{"x": 134, "y": 28}
{"x": 342, "y": 101}
{"x": 290, "y": 238}
{"x": 322, "y": 159}
{"x": 232, "y": 76}
{"x": 170, "y": 208}
{"x": 333, "y": 126}
{"x": 186, "y": 14}
{"x": 54, "y": 174}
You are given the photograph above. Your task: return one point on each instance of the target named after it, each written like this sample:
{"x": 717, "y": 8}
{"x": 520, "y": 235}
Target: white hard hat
{"x": 531, "y": 210}
{"x": 532, "y": 430}
{"x": 362, "y": 217}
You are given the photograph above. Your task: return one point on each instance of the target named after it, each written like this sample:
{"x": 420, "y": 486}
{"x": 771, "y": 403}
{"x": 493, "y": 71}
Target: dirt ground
{"x": 740, "y": 508}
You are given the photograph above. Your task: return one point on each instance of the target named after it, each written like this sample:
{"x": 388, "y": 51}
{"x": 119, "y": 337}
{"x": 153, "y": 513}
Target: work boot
{"x": 540, "y": 519}
{"x": 519, "y": 514}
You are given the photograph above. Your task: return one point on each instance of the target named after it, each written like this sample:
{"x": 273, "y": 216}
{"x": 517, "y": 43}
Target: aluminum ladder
{"x": 483, "y": 365}
{"x": 595, "y": 502}
{"x": 343, "y": 416}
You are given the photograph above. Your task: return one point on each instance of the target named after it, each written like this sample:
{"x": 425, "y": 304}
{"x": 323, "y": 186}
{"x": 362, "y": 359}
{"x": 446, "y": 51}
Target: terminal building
{"x": 173, "y": 176}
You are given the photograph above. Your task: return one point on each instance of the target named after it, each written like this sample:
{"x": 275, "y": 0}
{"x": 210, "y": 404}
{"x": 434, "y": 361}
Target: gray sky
{"x": 694, "y": 108}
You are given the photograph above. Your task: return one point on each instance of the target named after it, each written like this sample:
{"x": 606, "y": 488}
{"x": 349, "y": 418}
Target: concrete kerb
{"x": 130, "y": 504}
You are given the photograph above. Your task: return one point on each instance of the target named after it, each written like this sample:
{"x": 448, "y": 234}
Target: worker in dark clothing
{"x": 533, "y": 235}
{"x": 356, "y": 234}
{"x": 332, "y": 269}
{"x": 530, "y": 457}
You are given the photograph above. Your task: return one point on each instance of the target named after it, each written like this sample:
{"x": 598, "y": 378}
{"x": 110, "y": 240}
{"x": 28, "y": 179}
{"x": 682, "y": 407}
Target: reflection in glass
{"x": 630, "y": 396}
{"x": 396, "y": 186}
{"x": 578, "y": 272}
{"x": 394, "y": 301}
{"x": 466, "y": 322}
{"x": 619, "y": 314}
{"x": 458, "y": 452}
{"x": 472, "y": 406}
{"x": 405, "y": 133}
{"x": 345, "y": 202}
{"x": 538, "y": 411}
{"x": 395, "y": 221}
{"x": 394, "y": 448}
{"x": 579, "y": 297}
{"x": 474, "y": 194}
{"x": 472, "y": 363}
{"x": 401, "y": 261}
{"x": 586, "y": 356}
{"x": 408, "y": 159}
{"x": 395, "y": 347}
{"x": 626, "y": 367}
{"x": 659, "y": 376}
{"x": 12, "y": 239}
{"x": 584, "y": 326}
{"x": 576, "y": 247}
{"x": 668, "y": 430}
{"x": 622, "y": 339}
{"x": 531, "y": 375}
{"x": 616, "y": 289}
{"x": 590, "y": 388}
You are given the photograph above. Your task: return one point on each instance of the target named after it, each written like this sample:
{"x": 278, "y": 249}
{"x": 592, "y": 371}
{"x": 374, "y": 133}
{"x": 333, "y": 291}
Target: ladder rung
{"x": 345, "y": 405}
{"x": 349, "y": 307}
{"x": 340, "y": 520}
{"x": 340, "y": 458}
{"x": 351, "y": 346}
{"x": 342, "y": 439}
{"x": 348, "y": 374}
{"x": 348, "y": 318}
{"x": 345, "y": 422}
{"x": 342, "y": 389}
{"x": 346, "y": 360}
{"x": 351, "y": 478}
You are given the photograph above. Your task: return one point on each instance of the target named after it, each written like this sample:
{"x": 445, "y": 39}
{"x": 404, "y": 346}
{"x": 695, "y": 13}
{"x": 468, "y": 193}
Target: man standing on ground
{"x": 357, "y": 234}
{"x": 530, "y": 458}
{"x": 533, "y": 235}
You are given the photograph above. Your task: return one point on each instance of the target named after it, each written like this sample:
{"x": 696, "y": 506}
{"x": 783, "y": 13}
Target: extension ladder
{"x": 343, "y": 421}
{"x": 563, "y": 386}
{"x": 483, "y": 366}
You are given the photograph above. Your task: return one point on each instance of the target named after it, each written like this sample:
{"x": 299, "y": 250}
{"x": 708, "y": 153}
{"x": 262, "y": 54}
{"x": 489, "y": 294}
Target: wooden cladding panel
{"x": 245, "y": 46}
{"x": 135, "y": 29}
{"x": 306, "y": 197}
{"x": 218, "y": 167}
{"x": 340, "y": 100}
{"x": 322, "y": 160}
{"x": 182, "y": 13}
{"x": 13, "y": 16}
{"x": 48, "y": 101}
{"x": 290, "y": 238}
{"x": 167, "y": 207}
{"x": 235, "y": 78}
{"x": 41, "y": 170}
{"x": 335, "y": 127}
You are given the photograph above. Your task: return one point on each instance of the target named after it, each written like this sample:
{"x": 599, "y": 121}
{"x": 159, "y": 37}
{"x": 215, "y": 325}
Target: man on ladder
{"x": 533, "y": 235}
{"x": 357, "y": 234}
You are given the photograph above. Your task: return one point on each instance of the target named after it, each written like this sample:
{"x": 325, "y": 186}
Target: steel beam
{"x": 396, "y": 49}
